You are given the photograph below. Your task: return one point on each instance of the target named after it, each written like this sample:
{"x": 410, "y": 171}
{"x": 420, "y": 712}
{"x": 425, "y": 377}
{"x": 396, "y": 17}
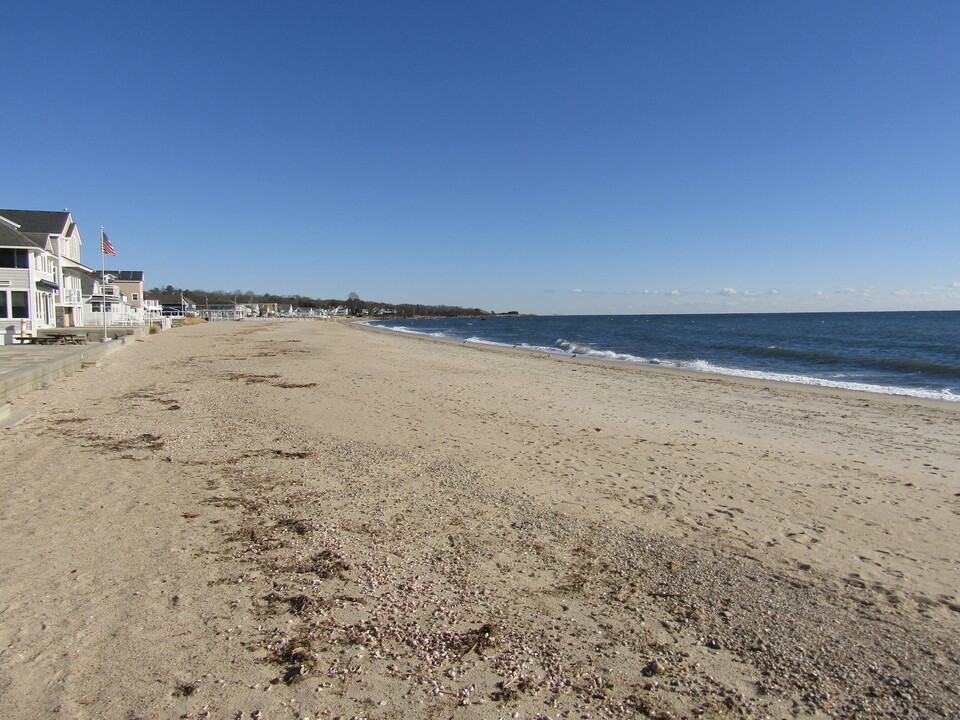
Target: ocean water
{"x": 904, "y": 353}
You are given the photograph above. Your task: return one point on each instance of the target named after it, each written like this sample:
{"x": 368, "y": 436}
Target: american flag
{"x": 106, "y": 247}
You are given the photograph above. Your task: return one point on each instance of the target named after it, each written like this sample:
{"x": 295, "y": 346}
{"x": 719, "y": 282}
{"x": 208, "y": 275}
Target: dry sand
{"x": 302, "y": 520}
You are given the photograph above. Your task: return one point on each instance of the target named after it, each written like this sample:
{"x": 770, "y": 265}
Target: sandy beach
{"x": 316, "y": 520}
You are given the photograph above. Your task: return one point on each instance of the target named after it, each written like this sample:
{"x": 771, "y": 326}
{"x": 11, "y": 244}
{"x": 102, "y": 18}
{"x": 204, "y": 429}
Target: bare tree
{"x": 353, "y": 303}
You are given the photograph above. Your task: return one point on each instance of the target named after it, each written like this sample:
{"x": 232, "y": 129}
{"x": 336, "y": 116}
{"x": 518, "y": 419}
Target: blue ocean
{"x": 904, "y": 353}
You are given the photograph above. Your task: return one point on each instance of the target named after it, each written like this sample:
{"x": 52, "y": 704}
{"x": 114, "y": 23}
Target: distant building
{"x": 152, "y": 309}
{"x": 105, "y": 303}
{"x": 177, "y": 306}
{"x": 222, "y": 311}
{"x": 130, "y": 283}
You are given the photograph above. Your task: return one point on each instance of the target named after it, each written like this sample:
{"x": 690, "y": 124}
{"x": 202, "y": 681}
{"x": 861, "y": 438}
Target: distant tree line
{"x": 353, "y": 303}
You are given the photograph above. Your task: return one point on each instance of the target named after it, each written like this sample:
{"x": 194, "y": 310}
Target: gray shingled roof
{"x": 41, "y": 239}
{"x": 12, "y": 238}
{"x": 44, "y": 221}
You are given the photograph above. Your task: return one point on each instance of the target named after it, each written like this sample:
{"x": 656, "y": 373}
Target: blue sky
{"x": 548, "y": 157}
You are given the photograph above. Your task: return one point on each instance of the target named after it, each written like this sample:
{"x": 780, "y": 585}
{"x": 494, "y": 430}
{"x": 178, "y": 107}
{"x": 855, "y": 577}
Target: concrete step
{"x": 8, "y": 418}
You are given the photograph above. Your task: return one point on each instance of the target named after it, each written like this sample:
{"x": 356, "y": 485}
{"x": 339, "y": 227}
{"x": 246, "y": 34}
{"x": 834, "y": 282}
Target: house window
{"x": 134, "y": 296}
{"x": 13, "y": 258}
{"x": 3, "y": 304}
{"x": 18, "y": 304}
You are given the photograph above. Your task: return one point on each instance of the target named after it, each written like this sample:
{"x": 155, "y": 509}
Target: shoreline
{"x": 300, "y": 520}
{"x": 747, "y": 380}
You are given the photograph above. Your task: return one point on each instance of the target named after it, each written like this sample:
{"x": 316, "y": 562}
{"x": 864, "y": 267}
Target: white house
{"x": 105, "y": 303}
{"x": 222, "y": 311}
{"x": 27, "y": 282}
{"x": 58, "y": 236}
{"x": 152, "y": 309}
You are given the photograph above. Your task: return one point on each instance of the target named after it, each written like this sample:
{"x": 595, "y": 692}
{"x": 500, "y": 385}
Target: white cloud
{"x": 674, "y": 292}
{"x": 581, "y": 291}
{"x": 863, "y": 292}
{"x": 728, "y": 292}
{"x": 913, "y": 293}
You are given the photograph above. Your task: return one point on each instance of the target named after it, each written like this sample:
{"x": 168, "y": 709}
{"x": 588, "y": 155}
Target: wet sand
{"x": 308, "y": 520}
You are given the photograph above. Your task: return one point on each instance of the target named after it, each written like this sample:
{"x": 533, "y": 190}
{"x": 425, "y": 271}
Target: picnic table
{"x": 57, "y": 339}
{"x": 31, "y": 340}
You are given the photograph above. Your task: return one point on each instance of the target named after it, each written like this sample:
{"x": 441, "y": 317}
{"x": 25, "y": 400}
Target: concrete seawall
{"x": 24, "y": 369}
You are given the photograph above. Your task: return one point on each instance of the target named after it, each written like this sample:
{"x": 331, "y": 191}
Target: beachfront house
{"x": 27, "y": 283}
{"x": 222, "y": 311}
{"x": 105, "y": 303}
{"x": 130, "y": 283}
{"x": 175, "y": 306}
{"x": 54, "y": 279}
{"x": 152, "y": 309}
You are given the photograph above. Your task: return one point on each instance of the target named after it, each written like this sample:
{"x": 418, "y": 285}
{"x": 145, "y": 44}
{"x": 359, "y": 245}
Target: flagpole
{"x": 103, "y": 293}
